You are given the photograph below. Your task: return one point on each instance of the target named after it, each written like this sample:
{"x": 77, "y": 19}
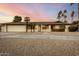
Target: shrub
{"x": 73, "y": 28}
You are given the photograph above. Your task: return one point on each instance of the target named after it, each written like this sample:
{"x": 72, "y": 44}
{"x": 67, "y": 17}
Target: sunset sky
{"x": 36, "y": 11}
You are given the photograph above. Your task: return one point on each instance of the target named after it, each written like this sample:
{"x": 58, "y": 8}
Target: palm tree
{"x": 72, "y": 15}
{"x": 74, "y": 26}
{"x": 65, "y": 16}
{"x": 59, "y": 15}
{"x": 62, "y": 14}
{"x": 65, "y": 11}
{"x": 27, "y": 19}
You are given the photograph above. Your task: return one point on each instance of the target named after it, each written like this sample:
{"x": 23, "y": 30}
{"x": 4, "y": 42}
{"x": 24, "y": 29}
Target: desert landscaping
{"x": 39, "y": 44}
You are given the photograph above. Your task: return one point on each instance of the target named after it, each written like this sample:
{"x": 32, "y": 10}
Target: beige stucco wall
{"x": 22, "y": 28}
{"x": 3, "y": 28}
{"x": 66, "y": 28}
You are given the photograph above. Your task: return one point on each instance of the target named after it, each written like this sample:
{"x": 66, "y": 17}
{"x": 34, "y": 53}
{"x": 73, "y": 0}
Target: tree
{"x": 59, "y": 15}
{"x": 27, "y": 19}
{"x": 65, "y": 11}
{"x": 65, "y": 16}
{"x": 72, "y": 14}
{"x": 17, "y": 19}
{"x": 62, "y": 15}
{"x": 73, "y": 28}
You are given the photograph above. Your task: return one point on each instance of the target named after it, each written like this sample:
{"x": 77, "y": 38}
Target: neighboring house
{"x": 34, "y": 27}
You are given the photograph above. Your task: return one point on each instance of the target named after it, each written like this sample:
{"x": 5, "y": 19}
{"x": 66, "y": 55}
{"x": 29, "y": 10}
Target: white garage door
{"x": 16, "y": 28}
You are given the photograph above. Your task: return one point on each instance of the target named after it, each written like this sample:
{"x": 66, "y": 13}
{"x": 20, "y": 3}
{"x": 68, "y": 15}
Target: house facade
{"x": 34, "y": 27}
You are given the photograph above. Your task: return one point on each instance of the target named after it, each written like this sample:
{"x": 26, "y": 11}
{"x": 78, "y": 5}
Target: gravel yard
{"x": 39, "y": 44}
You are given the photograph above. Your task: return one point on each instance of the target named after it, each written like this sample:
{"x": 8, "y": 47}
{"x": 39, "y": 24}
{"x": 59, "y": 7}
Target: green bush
{"x": 73, "y": 28}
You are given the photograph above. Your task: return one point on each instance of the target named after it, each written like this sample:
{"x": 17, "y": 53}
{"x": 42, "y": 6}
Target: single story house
{"x": 34, "y": 27}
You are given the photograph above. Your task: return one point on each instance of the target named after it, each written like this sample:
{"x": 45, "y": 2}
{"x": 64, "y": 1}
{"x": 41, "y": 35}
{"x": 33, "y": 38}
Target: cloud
{"x": 36, "y": 11}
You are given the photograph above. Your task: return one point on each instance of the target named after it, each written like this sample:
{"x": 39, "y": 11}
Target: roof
{"x": 44, "y": 23}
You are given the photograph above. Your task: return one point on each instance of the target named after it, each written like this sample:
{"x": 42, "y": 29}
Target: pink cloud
{"x": 18, "y": 9}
